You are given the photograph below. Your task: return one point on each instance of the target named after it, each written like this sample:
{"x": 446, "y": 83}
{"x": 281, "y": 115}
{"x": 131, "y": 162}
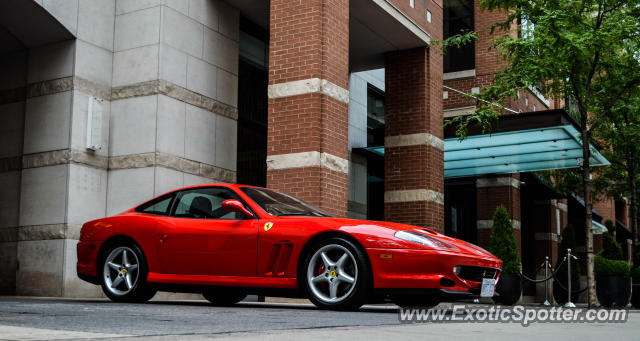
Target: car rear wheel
{"x": 336, "y": 275}
{"x": 124, "y": 273}
{"x": 224, "y": 297}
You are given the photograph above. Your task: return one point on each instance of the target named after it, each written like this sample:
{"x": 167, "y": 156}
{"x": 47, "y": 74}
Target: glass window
{"x": 206, "y": 203}
{"x": 458, "y": 18}
{"x": 159, "y": 206}
{"x": 375, "y": 117}
{"x": 280, "y": 204}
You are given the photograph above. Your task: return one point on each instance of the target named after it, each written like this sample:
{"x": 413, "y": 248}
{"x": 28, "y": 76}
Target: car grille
{"x": 477, "y": 273}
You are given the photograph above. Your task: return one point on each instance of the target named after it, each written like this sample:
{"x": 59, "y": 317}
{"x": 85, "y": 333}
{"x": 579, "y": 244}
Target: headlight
{"x": 419, "y": 238}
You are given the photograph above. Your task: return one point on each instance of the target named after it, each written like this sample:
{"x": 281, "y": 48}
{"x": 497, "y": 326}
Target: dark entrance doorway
{"x": 252, "y": 105}
{"x": 460, "y": 209}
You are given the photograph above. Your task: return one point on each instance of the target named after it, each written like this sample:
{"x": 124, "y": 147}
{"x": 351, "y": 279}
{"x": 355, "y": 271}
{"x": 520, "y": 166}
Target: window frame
{"x": 180, "y": 193}
{"x": 140, "y": 208}
{"x": 447, "y": 64}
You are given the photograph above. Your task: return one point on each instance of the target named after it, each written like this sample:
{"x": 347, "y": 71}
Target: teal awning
{"x": 514, "y": 151}
{"x": 598, "y": 228}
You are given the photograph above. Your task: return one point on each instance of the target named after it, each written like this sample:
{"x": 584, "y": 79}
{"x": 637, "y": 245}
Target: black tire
{"x": 419, "y": 301}
{"x": 224, "y": 297}
{"x": 140, "y": 290}
{"x": 356, "y": 293}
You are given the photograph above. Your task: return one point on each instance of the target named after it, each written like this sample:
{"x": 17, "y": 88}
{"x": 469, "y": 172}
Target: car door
{"x": 201, "y": 238}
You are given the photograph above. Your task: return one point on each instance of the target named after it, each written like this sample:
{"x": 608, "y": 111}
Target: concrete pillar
{"x": 308, "y": 101}
{"x": 493, "y": 191}
{"x": 63, "y": 184}
{"x": 165, "y": 79}
{"x": 174, "y": 98}
{"x": 414, "y": 164}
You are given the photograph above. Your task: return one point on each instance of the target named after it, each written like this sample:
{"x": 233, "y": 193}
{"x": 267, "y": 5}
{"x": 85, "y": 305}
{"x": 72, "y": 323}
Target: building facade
{"x": 107, "y": 103}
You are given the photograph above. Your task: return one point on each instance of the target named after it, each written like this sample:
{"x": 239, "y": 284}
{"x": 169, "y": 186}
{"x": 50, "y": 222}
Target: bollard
{"x": 569, "y": 304}
{"x": 546, "y": 283}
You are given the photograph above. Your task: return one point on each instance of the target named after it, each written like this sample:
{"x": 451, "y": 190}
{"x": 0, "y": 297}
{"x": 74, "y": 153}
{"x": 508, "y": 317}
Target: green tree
{"x": 584, "y": 51}
{"x": 503, "y": 243}
{"x": 610, "y": 248}
{"x": 620, "y": 133}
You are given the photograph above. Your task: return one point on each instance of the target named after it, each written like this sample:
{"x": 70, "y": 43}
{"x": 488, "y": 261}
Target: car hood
{"x": 386, "y": 230}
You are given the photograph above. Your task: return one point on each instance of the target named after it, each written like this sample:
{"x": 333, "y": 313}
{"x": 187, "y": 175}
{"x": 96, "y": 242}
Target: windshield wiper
{"x": 310, "y": 214}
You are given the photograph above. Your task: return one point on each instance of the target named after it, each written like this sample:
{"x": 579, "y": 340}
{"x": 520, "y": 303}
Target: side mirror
{"x": 233, "y": 205}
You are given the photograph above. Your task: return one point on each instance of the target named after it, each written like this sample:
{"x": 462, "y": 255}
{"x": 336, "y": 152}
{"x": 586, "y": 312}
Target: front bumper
{"x": 425, "y": 269}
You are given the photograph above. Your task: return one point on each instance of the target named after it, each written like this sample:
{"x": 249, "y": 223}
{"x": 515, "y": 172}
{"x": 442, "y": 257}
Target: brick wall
{"x": 414, "y": 106}
{"x": 487, "y": 61}
{"x": 419, "y": 13}
{"x": 308, "y": 40}
{"x": 488, "y": 199}
{"x": 606, "y": 207}
{"x": 487, "y": 64}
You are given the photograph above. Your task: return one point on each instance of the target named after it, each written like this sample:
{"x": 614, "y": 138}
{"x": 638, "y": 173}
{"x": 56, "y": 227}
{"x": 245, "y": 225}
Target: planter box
{"x": 509, "y": 289}
{"x": 635, "y": 295}
{"x": 613, "y": 290}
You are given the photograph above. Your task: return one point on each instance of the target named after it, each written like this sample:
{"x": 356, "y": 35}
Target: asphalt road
{"x": 43, "y": 319}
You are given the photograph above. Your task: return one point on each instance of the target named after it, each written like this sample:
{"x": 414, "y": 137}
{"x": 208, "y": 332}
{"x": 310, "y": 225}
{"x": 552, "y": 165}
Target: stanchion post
{"x": 569, "y": 304}
{"x": 546, "y": 283}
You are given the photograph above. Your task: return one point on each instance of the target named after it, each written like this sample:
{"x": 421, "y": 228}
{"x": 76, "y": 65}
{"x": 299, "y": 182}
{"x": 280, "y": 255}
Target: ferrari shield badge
{"x": 268, "y": 226}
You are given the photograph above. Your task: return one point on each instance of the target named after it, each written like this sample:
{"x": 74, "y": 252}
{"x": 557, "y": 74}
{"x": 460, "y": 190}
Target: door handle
{"x": 163, "y": 237}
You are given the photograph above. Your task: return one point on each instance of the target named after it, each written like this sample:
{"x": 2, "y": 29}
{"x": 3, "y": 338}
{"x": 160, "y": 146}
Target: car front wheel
{"x": 336, "y": 275}
{"x": 124, "y": 272}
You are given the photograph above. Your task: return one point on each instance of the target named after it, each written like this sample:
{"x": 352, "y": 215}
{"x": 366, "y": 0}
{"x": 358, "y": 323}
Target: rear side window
{"x": 159, "y": 206}
{"x": 205, "y": 203}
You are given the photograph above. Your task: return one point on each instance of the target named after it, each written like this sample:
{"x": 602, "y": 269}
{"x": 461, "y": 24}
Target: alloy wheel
{"x": 120, "y": 270}
{"x": 332, "y": 273}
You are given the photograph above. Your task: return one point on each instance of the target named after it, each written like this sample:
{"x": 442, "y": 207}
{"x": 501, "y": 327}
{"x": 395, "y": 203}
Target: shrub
{"x": 503, "y": 243}
{"x": 611, "y": 227}
{"x": 610, "y": 248}
{"x": 568, "y": 241}
{"x": 611, "y": 267}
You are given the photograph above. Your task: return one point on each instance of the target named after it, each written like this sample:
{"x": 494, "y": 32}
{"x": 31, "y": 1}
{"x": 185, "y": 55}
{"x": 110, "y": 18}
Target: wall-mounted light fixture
{"x": 94, "y": 124}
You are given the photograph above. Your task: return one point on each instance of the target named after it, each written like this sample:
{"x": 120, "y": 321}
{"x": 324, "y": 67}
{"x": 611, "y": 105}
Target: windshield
{"x": 280, "y": 204}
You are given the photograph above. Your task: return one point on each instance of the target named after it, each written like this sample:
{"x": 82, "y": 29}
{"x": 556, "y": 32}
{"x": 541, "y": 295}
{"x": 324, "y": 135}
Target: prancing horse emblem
{"x": 268, "y": 226}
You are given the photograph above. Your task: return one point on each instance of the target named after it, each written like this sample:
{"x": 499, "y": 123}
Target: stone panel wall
{"x": 166, "y": 75}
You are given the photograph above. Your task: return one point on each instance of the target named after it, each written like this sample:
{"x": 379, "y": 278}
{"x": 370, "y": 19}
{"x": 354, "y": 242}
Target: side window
{"x": 159, "y": 206}
{"x": 205, "y": 203}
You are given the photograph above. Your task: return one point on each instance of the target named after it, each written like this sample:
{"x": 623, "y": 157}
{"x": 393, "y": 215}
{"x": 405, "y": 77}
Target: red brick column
{"x": 307, "y": 147}
{"x": 414, "y": 164}
{"x": 492, "y": 191}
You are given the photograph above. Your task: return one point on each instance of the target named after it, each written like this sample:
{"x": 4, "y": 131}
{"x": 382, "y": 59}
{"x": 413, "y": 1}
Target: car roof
{"x": 220, "y": 184}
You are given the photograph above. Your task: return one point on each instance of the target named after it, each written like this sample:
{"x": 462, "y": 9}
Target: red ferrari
{"x": 227, "y": 241}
